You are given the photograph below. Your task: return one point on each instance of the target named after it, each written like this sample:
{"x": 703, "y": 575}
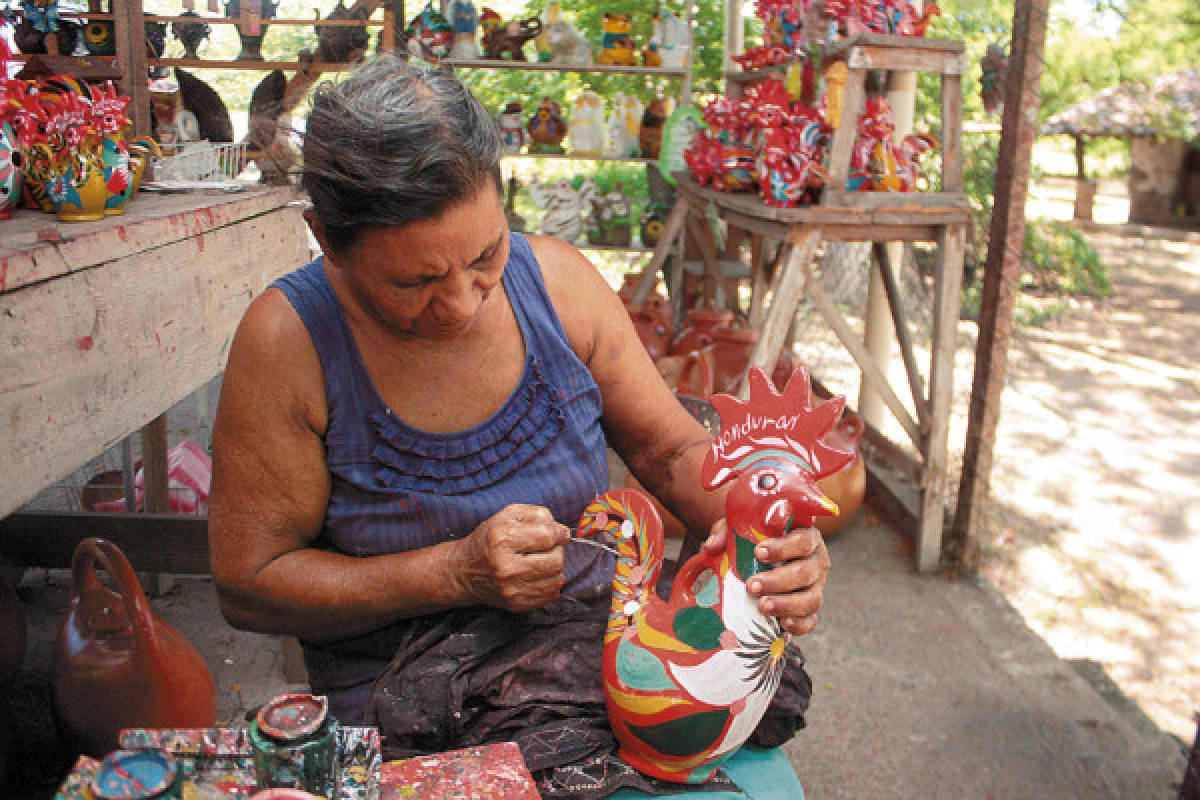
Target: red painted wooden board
{"x": 475, "y": 773}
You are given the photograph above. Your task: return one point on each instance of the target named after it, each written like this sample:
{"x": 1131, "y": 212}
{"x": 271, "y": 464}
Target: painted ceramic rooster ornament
{"x": 687, "y": 681}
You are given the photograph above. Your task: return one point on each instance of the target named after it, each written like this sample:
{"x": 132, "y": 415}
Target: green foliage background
{"x": 1090, "y": 45}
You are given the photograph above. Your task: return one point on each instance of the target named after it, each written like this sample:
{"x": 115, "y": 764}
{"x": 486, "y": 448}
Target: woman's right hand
{"x": 513, "y": 560}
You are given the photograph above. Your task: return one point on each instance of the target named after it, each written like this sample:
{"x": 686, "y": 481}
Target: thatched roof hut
{"x": 1161, "y": 119}
{"x": 1167, "y": 107}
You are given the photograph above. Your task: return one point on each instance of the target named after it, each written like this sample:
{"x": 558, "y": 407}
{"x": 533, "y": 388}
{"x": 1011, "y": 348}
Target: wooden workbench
{"x": 106, "y": 325}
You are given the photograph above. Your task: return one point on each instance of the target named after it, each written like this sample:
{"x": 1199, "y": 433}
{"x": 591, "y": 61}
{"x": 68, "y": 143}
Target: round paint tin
{"x": 137, "y": 775}
{"x": 294, "y": 743}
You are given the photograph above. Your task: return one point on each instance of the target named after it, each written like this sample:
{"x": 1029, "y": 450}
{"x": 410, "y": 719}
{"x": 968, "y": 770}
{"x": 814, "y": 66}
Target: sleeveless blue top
{"x": 396, "y": 488}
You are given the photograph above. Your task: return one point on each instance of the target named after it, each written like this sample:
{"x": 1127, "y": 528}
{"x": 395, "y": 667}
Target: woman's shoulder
{"x": 581, "y": 297}
{"x": 273, "y": 350}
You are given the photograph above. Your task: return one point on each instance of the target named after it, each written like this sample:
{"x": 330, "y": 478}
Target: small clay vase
{"x": 117, "y": 665}
{"x": 847, "y": 486}
{"x": 731, "y": 345}
{"x": 698, "y": 327}
{"x": 655, "y": 335}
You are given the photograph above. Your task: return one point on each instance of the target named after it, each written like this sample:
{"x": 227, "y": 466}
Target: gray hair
{"x": 394, "y": 143}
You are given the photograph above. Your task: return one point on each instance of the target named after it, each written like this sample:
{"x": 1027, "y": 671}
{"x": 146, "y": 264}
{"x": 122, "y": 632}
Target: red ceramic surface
{"x": 687, "y": 681}
{"x": 283, "y": 794}
{"x": 698, "y": 327}
{"x": 117, "y": 665}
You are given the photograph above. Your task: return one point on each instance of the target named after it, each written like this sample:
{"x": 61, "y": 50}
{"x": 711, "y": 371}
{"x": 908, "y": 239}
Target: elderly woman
{"x": 409, "y": 424}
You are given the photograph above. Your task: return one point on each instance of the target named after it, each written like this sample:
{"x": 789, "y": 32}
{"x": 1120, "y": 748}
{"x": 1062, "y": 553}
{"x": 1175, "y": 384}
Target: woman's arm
{"x": 661, "y": 442}
{"x": 267, "y": 506}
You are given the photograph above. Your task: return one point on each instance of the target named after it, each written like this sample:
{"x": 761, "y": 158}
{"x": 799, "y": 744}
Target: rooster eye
{"x": 767, "y": 482}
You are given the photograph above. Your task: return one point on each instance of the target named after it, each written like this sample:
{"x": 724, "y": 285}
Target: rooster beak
{"x": 829, "y": 506}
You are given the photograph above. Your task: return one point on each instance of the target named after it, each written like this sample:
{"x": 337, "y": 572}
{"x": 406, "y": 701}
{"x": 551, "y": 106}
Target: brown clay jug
{"x": 731, "y": 346}
{"x": 117, "y": 665}
{"x": 653, "y": 330}
{"x": 697, "y": 330}
{"x": 846, "y": 486}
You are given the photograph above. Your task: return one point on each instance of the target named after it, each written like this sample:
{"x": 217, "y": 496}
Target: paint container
{"x": 137, "y": 775}
{"x": 294, "y": 744}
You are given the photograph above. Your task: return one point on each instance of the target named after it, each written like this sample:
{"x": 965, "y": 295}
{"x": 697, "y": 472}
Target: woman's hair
{"x": 393, "y": 143}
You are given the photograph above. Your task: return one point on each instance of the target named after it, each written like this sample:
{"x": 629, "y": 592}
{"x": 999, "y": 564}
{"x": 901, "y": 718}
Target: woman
{"x": 408, "y": 425}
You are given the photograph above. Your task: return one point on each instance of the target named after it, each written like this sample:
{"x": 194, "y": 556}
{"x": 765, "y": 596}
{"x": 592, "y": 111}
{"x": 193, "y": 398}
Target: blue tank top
{"x": 395, "y": 487}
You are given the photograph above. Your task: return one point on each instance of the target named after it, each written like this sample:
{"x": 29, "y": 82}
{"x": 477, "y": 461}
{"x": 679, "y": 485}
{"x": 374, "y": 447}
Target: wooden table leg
{"x": 951, "y": 244}
{"x": 788, "y": 285}
{"x": 671, "y": 229}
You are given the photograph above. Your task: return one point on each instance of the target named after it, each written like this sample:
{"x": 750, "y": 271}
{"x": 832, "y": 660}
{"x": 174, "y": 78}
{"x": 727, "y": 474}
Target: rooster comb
{"x": 774, "y": 426}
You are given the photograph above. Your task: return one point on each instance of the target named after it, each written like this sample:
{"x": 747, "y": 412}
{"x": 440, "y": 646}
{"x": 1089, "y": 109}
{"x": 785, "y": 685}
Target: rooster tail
{"x": 629, "y": 518}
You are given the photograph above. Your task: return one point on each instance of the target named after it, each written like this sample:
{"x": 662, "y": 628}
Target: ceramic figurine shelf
{"x": 874, "y": 216}
{"x": 538, "y": 66}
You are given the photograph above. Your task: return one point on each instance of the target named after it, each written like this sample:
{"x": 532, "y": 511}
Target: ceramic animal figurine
{"x": 512, "y": 129}
{"x": 428, "y": 35}
{"x": 251, "y": 34}
{"x": 586, "y": 129}
{"x": 993, "y": 78}
{"x": 191, "y": 34}
{"x": 616, "y": 41}
{"x": 564, "y": 205}
{"x": 546, "y": 128}
{"x": 651, "y": 128}
{"x": 510, "y": 37}
{"x": 566, "y": 44}
{"x": 10, "y": 171}
{"x": 464, "y": 19}
{"x": 610, "y": 221}
{"x": 876, "y": 162}
{"x": 671, "y": 41}
{"x": 687, "y": 681}
{"x": 624, "y": 123}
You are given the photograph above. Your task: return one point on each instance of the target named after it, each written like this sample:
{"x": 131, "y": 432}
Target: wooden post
{"x": 1005, "y": 244}
{"x": 154, "y": 465}
{"x": 129, "y": 31}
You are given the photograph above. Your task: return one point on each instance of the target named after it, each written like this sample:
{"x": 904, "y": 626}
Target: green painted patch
{"x": 639, "y": 669}
{"x": 710, "y": 593}
{"x": 747, "y": 564}
{"x": 699, "y": 627}
{"x": 686, "y": 736}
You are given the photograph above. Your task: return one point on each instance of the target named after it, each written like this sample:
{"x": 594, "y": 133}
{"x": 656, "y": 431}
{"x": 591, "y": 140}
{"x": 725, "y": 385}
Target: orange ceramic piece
{"x": 117, "y": 665}
{"x": 687, "y": 681}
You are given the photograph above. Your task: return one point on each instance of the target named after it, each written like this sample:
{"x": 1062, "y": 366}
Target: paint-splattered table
{"x": 105, "y": 325}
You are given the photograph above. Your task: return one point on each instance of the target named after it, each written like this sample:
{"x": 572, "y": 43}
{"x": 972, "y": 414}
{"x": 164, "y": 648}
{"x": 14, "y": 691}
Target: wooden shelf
{"x": 614, "y": 248}
{"x": 543, "y": 66}
{"x": 576, "y": 157}
{"x": 260, "y": 66}
{"x": 332, "y": 23}
{"x": 346, "y": 23}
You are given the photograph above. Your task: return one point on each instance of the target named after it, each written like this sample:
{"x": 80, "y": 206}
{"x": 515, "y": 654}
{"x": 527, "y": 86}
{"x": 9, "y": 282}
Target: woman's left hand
{"x": 794, "y": 588}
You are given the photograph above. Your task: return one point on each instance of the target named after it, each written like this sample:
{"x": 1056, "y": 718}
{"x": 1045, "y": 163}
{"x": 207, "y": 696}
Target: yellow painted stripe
{"x": 657, "y": 640}
{"x": 641, "y": 703}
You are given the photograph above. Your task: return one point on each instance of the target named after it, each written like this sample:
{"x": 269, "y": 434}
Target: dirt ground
{"x": 1095, "y": 523}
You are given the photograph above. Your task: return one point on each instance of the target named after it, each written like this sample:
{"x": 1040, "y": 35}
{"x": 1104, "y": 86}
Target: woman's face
{"x": 430, "y": 278}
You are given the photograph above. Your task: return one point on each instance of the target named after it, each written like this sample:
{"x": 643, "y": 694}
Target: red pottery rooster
{"x": 687, "y": 681}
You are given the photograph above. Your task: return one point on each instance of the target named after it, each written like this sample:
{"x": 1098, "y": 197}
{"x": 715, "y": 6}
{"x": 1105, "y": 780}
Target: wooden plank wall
{"x": 93, "y": 355}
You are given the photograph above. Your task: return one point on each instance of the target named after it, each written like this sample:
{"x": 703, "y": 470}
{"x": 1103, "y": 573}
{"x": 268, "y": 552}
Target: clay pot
{"x": 651, "y": 331}
{"x": 846, "y": 486}
{"x": 731, "y": 347}
{"x": 117, "y": 665}
{"x": 698, "y": 327}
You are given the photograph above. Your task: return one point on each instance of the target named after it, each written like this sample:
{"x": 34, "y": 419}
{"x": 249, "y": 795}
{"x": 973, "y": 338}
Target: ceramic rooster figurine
{"x": 687, "y": 681}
